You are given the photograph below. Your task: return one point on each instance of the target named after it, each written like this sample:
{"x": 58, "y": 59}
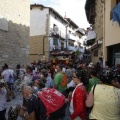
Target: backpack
{"x": 11, "y": 79}
{"x": 64, "y": 80}
{"x": 52, "y": 100}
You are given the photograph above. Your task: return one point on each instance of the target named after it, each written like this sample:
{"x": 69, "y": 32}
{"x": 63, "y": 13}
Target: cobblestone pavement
{"x": 18, "y": 100}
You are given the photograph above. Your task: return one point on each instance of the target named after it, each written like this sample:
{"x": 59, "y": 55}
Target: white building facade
{"x": 49, "y": 31}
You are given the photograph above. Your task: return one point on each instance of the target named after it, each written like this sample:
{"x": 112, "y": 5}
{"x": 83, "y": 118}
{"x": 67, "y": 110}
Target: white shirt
{"x": 3, "y": 99}
{"x": 6, "y": 73}
{"x": 71, "y": 84}
{"x": 49, "y": 82}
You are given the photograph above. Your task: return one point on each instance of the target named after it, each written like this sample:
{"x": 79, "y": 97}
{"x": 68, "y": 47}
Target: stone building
{"x": 94, "y": 12}
{"x": 100, "y": 15}
{"x": 14, "y": 32}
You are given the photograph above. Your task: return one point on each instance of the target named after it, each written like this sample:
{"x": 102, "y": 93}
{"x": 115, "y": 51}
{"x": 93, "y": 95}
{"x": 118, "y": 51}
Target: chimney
{"x": 65, "y": 16}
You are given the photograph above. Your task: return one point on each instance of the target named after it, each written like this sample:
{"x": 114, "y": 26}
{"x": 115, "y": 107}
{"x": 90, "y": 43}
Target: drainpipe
{"x": 104, "y": 48}
{"x": 66, "y": 37}
{"x": 44, "y": 43}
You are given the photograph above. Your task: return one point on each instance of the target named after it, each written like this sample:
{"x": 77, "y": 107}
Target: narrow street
{"x": 60, "y": 52}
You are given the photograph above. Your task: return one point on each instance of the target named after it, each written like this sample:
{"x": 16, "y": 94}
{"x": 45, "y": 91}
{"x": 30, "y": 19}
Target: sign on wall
{"x": 3, "y": 24}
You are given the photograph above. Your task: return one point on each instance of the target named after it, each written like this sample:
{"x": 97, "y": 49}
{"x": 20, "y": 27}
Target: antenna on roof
{"x": 65, "y": 15}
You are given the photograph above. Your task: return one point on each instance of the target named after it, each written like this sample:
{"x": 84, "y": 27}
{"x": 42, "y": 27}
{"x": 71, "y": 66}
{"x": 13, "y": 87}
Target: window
{"x": 55, "y": 42}
{"x": 54, "y": 25}
{"x": 96, "y": 53}
{"x": 62, "y": 46}
{"x": 71, "y": 43}
{"x": 69, "y": 31}
{"x": 55, "y": 28}
{"x": 55, "y": 17}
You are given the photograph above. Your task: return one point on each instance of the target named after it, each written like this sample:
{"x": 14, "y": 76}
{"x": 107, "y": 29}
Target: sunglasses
{"x": 74, "y": 77}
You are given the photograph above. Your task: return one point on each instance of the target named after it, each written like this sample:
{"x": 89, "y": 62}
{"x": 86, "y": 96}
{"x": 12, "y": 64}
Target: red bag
{"x": 52, "y": 100}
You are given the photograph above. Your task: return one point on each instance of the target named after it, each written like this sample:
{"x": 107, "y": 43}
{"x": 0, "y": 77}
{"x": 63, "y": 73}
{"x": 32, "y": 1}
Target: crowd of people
{"x": 90, "y": 92}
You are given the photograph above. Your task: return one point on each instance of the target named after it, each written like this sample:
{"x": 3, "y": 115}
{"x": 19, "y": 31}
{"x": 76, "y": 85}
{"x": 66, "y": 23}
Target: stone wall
{"x": 98, "y": 26}
{"x": 36, "y": 48}
{"x": 14, "y": 43}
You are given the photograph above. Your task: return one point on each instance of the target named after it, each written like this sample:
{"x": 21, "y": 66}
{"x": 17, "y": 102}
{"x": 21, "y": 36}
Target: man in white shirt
{"x": 6, "y": 73}
{"x": 6, "y": 76}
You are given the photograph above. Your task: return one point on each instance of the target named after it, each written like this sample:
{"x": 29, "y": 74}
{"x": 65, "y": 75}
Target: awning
{"x": 91, "y": 35}
{"x": 89, "y": 42}
{"x": 95, "y": 45}
{"x": 55, "y": 53}
{"x": 61, "y": 53}
{"x": 90, "y": 39}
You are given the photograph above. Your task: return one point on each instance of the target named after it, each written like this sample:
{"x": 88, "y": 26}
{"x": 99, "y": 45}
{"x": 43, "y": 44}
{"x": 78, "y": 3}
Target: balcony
{"x": 55, "y": 32}
{"x": 91, "y": 36}
{"x": 96, "y": 44}
{"x": 71, "y": 37}
{"x": 55, "y": 48}
{"x": 72, "y": 48}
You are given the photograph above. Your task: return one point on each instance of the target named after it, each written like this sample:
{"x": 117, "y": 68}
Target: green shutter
{"x": 55, "y": 42}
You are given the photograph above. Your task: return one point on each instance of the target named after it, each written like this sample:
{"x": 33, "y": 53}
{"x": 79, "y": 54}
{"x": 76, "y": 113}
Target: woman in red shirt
{"x": 77, "y": 104}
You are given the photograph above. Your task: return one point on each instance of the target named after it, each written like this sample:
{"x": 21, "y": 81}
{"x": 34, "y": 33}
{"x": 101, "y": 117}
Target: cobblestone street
{"x": 17, "y": 100}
